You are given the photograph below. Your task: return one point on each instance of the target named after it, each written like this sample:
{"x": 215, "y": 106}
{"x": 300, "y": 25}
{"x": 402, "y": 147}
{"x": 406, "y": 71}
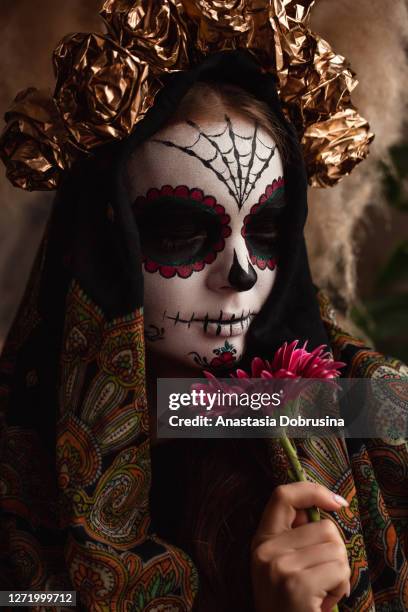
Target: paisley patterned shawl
{"x": 75, "y": 463}
{"x": 372, "y": 474}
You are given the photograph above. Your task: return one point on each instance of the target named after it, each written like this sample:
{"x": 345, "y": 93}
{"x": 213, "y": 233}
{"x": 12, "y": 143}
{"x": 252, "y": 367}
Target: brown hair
{"x": 207, "y": 498}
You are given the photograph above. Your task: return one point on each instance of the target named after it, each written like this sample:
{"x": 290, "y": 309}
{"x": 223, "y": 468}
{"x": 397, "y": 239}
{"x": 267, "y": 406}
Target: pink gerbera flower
{"x": 292, "y": 362}
{"x": 288, "y": 363}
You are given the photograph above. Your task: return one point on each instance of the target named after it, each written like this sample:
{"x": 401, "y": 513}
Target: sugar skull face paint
{"x": 207, "y": 198}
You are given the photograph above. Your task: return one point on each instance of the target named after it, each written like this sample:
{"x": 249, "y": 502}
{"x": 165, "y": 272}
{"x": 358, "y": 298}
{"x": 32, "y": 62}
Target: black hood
{"x": 105, "y": 251}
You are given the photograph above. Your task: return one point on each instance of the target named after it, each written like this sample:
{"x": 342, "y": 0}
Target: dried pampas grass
{"x": 373, "y": 35}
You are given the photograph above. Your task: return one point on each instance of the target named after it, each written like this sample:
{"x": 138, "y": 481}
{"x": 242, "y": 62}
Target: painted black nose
{"x": 238, "y": 278}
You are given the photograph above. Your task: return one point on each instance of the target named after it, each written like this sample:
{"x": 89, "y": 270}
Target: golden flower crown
{"x": 105, "y": 83}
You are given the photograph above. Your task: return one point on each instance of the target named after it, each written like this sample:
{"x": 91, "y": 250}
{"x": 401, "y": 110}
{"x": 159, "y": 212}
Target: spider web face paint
{"x": 237, "y": 161}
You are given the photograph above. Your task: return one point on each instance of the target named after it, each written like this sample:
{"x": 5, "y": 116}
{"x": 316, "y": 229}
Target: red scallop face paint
{"x": 181, "y": 229}
{"x": 260, "y": 226}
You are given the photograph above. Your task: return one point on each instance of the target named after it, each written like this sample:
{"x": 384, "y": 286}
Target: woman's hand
{"x": 299, "y": 566}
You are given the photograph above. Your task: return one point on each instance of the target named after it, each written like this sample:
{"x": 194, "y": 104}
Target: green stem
{"x": 313, "y": 513}
{"x": 290, "y": 451}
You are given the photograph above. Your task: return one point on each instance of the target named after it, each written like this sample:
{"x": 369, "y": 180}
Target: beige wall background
{"x": 350, "y": 230}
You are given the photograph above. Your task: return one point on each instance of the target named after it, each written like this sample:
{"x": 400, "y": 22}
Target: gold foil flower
{"x": 102, "y": 89}
{"x": 35, "y": 145}
{"x": 107, "y": 83}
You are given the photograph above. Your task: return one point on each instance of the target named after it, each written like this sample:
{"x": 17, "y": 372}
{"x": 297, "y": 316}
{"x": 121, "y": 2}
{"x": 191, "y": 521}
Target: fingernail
{"x": 340, "y": 500}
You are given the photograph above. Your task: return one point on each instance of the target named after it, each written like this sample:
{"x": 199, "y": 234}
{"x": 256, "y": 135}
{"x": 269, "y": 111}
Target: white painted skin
{"x": 208, "y": 291}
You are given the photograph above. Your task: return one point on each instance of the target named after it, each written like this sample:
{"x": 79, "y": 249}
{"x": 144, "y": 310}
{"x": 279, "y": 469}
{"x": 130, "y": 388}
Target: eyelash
{"x": 169, "y": 243}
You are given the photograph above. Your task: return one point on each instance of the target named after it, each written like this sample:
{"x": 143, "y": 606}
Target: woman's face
{"x": 207, "y": 195}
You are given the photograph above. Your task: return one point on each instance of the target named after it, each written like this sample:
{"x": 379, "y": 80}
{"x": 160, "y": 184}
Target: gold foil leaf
{"x": 333, "y": 147}
{"x": 232, "y": 24}
{"x": 35, "y": 145}
{"x": 231, "y": 15}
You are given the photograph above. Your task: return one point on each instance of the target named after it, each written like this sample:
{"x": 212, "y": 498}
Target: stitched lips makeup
{"x": 224, "y": 324}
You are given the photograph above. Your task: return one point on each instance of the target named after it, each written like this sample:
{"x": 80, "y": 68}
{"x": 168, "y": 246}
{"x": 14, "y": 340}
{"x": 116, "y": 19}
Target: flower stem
{"x": 297, "y": 469}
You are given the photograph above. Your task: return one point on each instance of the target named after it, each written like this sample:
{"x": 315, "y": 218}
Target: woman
{"x": 198, "y": 261}
{"x": 205, "y": 525}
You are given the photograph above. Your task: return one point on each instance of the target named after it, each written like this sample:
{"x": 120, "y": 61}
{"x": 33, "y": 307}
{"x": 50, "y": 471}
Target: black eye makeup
{"x": 261, "y": 226}
{"x": 181, "y": 230}
{"x": 177, "y": 233}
